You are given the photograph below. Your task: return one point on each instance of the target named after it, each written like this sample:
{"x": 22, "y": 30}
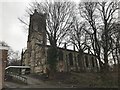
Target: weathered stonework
{"x": 35, "y": 55}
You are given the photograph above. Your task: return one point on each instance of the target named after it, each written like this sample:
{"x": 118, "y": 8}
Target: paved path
{"x": 34, "y": 83}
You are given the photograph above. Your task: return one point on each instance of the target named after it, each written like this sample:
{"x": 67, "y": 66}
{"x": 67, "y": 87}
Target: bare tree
{"x": 78, "y": 35}
{"x": 107, "y": 12}
{"x": 101, "y": 18}
{"x": 13, "y": 56}
{"x": 89, "y": 13}
{"x": 116, "y": 44}
{"x": 79, "y": 38}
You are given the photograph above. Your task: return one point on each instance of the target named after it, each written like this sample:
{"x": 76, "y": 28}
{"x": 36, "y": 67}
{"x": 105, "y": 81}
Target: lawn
{"x": 81, "y": 80}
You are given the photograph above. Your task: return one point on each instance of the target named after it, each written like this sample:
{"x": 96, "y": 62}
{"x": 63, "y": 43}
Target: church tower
{"x": 36, "y": 42}
{"x": 38, "y": 25}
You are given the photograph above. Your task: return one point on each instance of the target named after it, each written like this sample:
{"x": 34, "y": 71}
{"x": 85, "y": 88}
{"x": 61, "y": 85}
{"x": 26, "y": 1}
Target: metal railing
{"x": 23, "y": 79}
{"x": 19, "y": 77}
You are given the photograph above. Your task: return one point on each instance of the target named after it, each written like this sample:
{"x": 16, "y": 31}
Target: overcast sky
{"x": 11, "y": 30}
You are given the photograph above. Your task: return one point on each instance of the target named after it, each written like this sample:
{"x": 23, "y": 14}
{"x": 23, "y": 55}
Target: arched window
{"x": 78, "y": 57}
{"x": 86, "y": 61}
{"x": 93, "y": 61}
{"x": 60, "y": 55}
{"x": 71, "y": 59}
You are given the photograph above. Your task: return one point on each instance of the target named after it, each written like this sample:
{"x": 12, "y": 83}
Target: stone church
{"x": 35, "y": 55}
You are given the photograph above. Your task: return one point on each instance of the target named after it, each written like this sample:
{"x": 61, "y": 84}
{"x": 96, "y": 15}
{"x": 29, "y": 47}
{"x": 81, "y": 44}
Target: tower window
{"x": 35, "y": 26}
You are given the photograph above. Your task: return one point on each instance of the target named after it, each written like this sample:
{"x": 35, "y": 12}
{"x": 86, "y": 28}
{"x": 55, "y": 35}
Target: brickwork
{"x": 3, "y": 63}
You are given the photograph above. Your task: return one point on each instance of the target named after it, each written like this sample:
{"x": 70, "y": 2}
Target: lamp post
{"x": 3, "y": 61}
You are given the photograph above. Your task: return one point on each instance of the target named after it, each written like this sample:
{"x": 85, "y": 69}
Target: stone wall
{"x": 38, "y": 59}
{"x": 78, "y": 64}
